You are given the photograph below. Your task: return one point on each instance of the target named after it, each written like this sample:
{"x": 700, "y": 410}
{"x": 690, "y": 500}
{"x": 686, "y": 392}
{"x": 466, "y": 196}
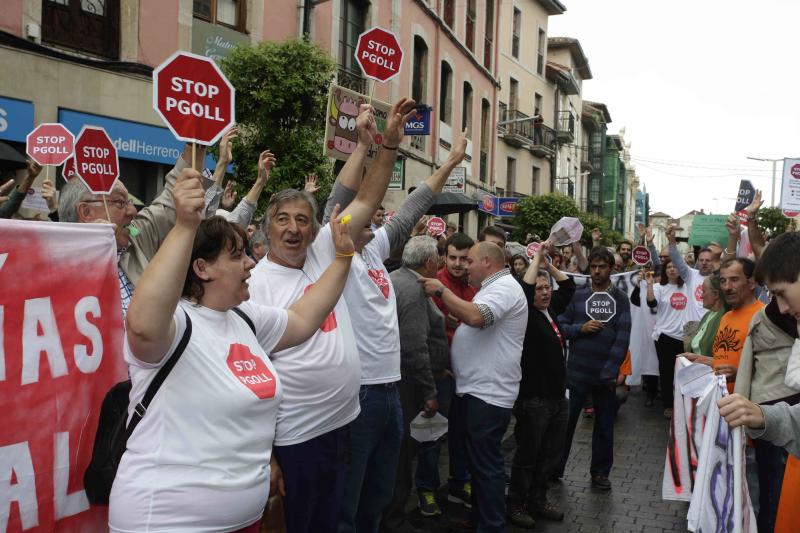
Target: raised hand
{"x": 671, "y": 234}
{"x": 311, "y": 184}
{"x": 189, "y": 198}
{"x": 365, "y": 125}
{"x": 340, "y": 234}
{"x": 459, "y": 150}
{"x": 596, "y": 235}
{"x": 732, "y": 225}
{"x": 265, "y": 163}
{"x": 49, "y": 194}
{"x": 755, "y": 205}
{"x": 226, "y": 145}
{"x": 401, "y": 112}
{"x": 229, "y": 196}
{"x": 421, "y": 227}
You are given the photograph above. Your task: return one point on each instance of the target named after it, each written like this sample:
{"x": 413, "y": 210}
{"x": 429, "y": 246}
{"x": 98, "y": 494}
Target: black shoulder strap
{"x": 163, "y": 372}
{"x": 245, "y": 318}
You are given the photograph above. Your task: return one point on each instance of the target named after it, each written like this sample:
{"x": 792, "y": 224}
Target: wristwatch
{"x": 438, "y": 292}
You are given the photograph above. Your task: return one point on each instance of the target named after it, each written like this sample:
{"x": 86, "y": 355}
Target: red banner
{"x": 60, "y": 352}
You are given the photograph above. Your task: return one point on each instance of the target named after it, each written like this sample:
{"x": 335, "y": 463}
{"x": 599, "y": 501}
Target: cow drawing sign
{"x": 341, "y": 134}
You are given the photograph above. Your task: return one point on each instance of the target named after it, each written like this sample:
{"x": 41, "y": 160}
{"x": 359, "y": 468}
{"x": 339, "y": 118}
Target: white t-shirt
{"x": 695, "y": 287}
{"x": 486, "y": 362}
{"x": 321, "y": 376}
{"x": 674, "y": 309}
{"x": 199, "y": 459}
{"x": 373, "y": 310}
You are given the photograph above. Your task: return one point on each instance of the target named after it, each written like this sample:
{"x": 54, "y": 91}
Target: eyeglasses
{"x": 119, "y": 203}
{"x": 544, "y": 288}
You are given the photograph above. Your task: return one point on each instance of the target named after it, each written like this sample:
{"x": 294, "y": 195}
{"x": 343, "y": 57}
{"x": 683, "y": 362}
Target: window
{"x": 535, "y": 172}
{"x": 540, "y": 58}
{"x": 90, "y": 26}
{"x": 448, "y": 12}
{"x": 466, "y": 107}
{"x": 511, "y": 174}
{"x": 515, "y": 30}
{"x": 488, "y": 32}
{"x": 513, "y": 94}
{"x": 351, "y": 25}
{"x": 419, "y": 82}
{"x": 445, "y": 94}
{"x": 229, "y": 13}
{"x": 537, "y": 102}
{"x": 471, "y": 17}
{"x": 486, "y": 138}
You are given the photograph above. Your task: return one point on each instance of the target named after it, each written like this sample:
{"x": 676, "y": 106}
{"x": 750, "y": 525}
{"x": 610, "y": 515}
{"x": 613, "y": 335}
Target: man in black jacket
{"x": 542, "y": 409}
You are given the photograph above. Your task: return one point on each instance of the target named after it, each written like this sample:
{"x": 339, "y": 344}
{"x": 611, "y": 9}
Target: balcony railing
{"x": 351, "y": 80}
{"x": 587, "y": 165}
{"x": 566, "y": 126}
{"x": 518, "y": 130}
{"x": 566, "y": 186}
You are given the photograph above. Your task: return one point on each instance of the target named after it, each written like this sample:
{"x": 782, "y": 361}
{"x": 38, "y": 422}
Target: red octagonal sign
{"x": 379, "y": 54}
{"x": 194, "y": 98}
{"x": 96, "y": 162}
{"x": 50, "y": 144}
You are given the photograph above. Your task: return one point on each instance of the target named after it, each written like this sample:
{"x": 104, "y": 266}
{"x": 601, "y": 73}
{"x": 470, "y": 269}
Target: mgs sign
{"x": 379, "y": 54}
{"x": 193, "y": 97}
{"x": 601, "y": 306}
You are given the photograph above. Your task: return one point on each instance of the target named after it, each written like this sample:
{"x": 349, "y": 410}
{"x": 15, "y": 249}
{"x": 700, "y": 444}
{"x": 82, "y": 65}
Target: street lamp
{"x": 774, "y": 167}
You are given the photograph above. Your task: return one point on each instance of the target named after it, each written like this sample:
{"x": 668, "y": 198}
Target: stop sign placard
{"x": 50, "y": 144}
{"x": 379, "y": 54}
{"x": 96, "y": 162}
{"x": 436, "y": 225}
{"x": 640, "y": 255}
{"x": 193, "y": 97}
{"x": 601, "y": 306}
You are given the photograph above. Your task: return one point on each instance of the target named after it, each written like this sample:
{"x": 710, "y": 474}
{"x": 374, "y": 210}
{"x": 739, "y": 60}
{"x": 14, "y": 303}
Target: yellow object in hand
{"x": 346, "y": 219}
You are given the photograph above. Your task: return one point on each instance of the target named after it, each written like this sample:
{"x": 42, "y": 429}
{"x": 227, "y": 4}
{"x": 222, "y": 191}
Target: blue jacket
{"x": 595, "y": 358}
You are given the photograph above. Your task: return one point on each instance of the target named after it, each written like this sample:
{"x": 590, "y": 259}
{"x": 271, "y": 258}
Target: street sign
{"x": 457, "y": 181}
{"x": 436, "y": 225}
{"x": 193, "y": 97}
{"x": 532, "y": 249}
{"x": 498, "y": 206}
{"x": 96, "y": 162}
{"x": 601, "y": 306}
{"x": 640, "y": 255}
{"x": 488, "y": 204}
{"x": 790, "y": 188}
{"x": 379, "y": 54}
{"x": 50, "y": 144}
{"x": 420, "y": 122}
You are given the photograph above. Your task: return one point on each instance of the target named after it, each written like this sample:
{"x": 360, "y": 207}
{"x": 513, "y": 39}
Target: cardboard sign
{"x": 457, "y": 181}
{"x": 708, "y": 228}
{"x": 61, "y": 352}
{"x": 379, "y": 54}
{"x": 531, "y": 249}
{"x": 601, "y": 306}
{"x": 436, "y": 225}
{"x": 640, "y": 255}
{"x": 420, "y": 123}
{"x": 790, "y": 188}
{"x": 50, "y": 144}
{"x": 96, "y": 162}
{"x": 341, "y": 136}
{"x": 194, "y": 98}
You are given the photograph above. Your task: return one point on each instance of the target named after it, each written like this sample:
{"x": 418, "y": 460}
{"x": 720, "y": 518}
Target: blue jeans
{"x": 314, "y": 474}
{"x": 375, "y": 438}
{"x": 604, "y": 400}
{"x": 428, "y": 456}
{"x": 771, "y": 463}
{"x": 483, "y": 425}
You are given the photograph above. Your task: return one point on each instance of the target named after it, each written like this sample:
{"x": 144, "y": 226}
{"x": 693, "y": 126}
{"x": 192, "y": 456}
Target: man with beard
{"x": 624, "y": 249}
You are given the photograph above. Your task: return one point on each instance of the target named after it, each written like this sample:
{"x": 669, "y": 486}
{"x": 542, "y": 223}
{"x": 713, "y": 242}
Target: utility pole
{"x": 774, "y": 172}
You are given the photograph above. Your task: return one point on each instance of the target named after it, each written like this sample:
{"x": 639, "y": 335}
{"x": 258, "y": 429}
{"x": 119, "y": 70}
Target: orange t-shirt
{"x": 733, "y": 329}
{"x": 626, "y": 369}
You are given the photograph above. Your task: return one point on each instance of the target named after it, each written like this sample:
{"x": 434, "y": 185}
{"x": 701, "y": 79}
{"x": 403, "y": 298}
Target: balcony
{"x": 418, "y": 142}
{"x": 565, "y": 128}
{"x": 566, "y": 186}
{"x": 517, "y": 130}
{"x": 587, "y": 165}
{"x": 351, "y": 80}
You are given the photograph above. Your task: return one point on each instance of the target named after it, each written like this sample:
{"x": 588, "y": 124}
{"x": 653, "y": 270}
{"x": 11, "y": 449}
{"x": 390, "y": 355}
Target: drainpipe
{"x": 494, "y": 71}
{"x": 436, "y": 86}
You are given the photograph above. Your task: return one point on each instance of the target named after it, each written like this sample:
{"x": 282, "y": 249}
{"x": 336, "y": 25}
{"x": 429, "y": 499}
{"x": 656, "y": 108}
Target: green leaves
{"x": 771, "y": 220}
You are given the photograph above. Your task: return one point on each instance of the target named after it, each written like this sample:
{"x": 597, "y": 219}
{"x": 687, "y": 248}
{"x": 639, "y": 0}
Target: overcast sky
{"x": 698, "y": 85}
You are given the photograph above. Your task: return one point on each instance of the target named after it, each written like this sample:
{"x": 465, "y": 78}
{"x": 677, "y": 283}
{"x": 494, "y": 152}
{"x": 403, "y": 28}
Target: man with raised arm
{"x": 693, "y": 277}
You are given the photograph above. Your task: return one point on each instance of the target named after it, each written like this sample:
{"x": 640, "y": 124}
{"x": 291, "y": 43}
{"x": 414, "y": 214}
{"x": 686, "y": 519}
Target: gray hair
{"x": 290, "y": 195}
{"x": 418, "y": 251}
{"x": 258, "y": 238}
{"x": 73, "y": 193}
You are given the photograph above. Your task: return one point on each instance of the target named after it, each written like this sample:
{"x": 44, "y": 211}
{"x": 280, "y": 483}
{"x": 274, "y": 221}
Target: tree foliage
{"x": 771, "y": 220}
{"x": 281, "y": 96}
{"x": 537, "y": 214}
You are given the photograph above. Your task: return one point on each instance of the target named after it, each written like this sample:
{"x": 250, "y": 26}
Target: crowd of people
{"x": 355, "y": 326}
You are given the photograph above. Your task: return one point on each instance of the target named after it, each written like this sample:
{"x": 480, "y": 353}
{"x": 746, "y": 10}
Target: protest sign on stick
{"x": 341, "y": 136}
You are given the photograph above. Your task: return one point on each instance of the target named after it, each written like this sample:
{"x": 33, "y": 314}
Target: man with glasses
{"x": 138, "y": 235}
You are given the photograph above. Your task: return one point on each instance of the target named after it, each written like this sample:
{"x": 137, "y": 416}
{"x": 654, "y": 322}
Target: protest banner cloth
{"x": 640, "y": 255}
{"x": 457, "y": 180}
{"x": 96, "y": 161}
{"x": 790, "y": 186}
{"x": 436, "y": 226}
{"x": 60, "y": 352}
{"x": 708, "y": 228}
{"x": 194, "y": 98}
{"x": 379, "y": 54}
{"x": 341, "y": 136}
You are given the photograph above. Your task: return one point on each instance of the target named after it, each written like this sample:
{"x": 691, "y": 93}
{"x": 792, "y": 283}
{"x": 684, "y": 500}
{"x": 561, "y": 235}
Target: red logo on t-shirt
{"x": 379, "y": 277}
{"x": 678, "y": 301}
{"x": 698, "y": 293}
{"x": 251, "y": 371}
{"x": 329, "y": 324}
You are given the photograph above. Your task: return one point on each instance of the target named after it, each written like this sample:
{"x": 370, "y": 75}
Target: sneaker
{"x": 549, "y": 512}
{"x": 588, "y": 412}
{"x": 427, "y": 504}
{"x": 518, "y": 516}
{"x": 462, "y": 495}
{"x": 601, "y": 483}
{"x": 668, "y": 413}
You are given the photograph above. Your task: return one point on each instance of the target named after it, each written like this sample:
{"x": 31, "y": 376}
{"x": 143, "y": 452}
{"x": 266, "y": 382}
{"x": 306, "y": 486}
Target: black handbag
{"x": 112, "y": 435}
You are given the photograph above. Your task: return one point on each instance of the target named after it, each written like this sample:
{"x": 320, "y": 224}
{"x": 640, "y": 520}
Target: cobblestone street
{"x": 634, "y": 503}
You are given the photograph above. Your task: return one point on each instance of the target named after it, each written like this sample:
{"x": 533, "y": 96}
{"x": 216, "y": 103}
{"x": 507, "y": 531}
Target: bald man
{"x": 486, "y": 353}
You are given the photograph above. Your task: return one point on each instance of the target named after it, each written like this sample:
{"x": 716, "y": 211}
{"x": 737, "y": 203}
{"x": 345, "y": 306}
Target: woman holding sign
{"x": 670, "y": 297}
{"x": 199, "y": 460}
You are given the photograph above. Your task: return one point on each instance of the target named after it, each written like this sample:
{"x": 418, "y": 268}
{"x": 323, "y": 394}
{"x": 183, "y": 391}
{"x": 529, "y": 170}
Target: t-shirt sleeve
{"x": 497, "y": 299}
{"x": 323, "y": 247}
{"x": 270, "y": 323}
{"x": 379, "y": 247}
{"x": 180, "y": 326}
